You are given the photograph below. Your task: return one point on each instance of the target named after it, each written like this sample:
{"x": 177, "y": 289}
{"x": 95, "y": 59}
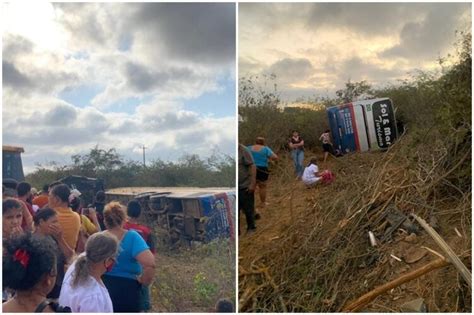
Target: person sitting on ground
{"x": 12, "y": 216}
{"x": 83, "y": 289}
{"x": 135, "y": 263}
{"x": 311, "y": 173}
{"x": 327, "y": 145}
{"x": 29, "y": 268}
{"x": 261, "y": 155}
{"x": 42, "y": 199}
{"x": 47, "y": 225}
{"x": 224, "y": 306}
{"x": 69, "y": 221}
{"x": 23, "y": 190}
{"x": 134, "y": 210}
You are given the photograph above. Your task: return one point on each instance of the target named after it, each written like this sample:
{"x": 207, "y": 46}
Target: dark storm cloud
{"x": 291, "y": 69}
{"x": 142, "y": 79}
{"x": 431, "y": 36}
{"x": 201, "y": 32}
{"x": 357, "y": 69}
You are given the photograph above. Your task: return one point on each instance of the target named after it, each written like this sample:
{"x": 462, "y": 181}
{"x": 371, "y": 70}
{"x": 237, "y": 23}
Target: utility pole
{"x": 144, "y": 148}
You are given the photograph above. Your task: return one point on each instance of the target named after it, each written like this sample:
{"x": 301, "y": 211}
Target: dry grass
{"x": 311, "y": 252}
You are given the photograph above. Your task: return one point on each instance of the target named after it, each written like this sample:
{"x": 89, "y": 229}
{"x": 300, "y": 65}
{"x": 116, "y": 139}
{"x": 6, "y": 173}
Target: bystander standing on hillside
{"x": 296, "y": 144}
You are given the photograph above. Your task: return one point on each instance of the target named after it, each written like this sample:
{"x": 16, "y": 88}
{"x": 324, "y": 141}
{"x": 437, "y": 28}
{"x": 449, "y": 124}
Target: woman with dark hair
{"x": 12, "y": 216}
{"x": 83, "y": 289}
{"x": 296, "y": 145}
{"x": 261, "y": 155}
{"x": 99, "y": 204}
{"x": 311, "y": 174}
{"x": 47, "y": 224}
{"x": 29, "y": 268}
{"x": 135, "y": 263}
{"x": 327, "y": 145}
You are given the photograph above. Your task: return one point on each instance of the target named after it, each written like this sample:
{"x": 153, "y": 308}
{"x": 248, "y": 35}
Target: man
{"x": 23, "y": 190}
{"x": 247, "y": 181}
{"x": 42, "y": 199}
{"x": 68, "y": 219}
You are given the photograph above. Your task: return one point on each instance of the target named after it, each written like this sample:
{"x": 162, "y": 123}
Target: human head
{"x": 224, "y": 306}
{"x": 12, "y": 216}
{"x": 53, "y": 184}
{"x": 295, "y": 133}
{"x": 59, "y": 196}
{"x": 75, "y": 203}
{"x": 260, "y": 140}
{"x": 45, "y": 189}
{"x": 44, "y": 218}
{"x": 101, "y": 250}
{"x": 313, "y": 160}
{"x": 29, "y": 263}
{"x": 23, "y": 190}
{"x": 327, "y": 130}
{"x": 100, "y": 196}
{"x": 114, "y": 215}
{"x": 134, "y": 209}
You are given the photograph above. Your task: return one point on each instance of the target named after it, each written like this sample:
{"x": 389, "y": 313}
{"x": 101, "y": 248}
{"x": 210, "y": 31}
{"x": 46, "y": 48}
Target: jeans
{"x": 298, "y": 158}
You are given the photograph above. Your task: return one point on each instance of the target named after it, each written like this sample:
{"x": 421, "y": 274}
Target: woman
{"x": 29, "y": 268}
{"x": 83, "y": 289}
{"x": 311, "y": 173}
{"x": 261, "y": 155}
{"x": 47, "y": 225}
{"x": 327, "y": 145}
{"x": 135, "y": 262}
{"x": 296, "y": 145}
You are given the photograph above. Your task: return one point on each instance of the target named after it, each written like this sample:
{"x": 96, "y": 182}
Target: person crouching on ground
{"x": 261, "y": 155}
{"x": 311, "y": 174}
{"x": 83, "y": 289}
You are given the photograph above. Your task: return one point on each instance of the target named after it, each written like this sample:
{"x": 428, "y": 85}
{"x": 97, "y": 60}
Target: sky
{"x": 314, "y": 48}
{"x": 118, "y": 75}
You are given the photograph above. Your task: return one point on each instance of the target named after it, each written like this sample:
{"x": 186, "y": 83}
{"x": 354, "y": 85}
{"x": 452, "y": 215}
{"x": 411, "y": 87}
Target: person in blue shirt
{"x": 135, "y": 265}
{"x": 261, "y": 155}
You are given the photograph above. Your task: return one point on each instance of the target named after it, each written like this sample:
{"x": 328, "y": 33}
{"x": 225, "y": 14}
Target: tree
{"x": 355, "y": 91}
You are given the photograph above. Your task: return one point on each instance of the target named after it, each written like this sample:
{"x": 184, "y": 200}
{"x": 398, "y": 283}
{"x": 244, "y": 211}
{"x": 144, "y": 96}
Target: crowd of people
{"x": 62, "y": 256}
{"x": 253, "y": 162}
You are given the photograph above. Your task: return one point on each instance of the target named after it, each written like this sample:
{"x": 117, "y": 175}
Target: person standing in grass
{"x": 262, "y": 154}
{"x": 327, "y": 145}
{"x": 247, "y": 181}
{"x": 296, "y": 144}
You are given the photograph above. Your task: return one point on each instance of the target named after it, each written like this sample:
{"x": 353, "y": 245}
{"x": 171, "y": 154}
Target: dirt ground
{"x": 193, "y": 278}
{"x": 290, "y": 203}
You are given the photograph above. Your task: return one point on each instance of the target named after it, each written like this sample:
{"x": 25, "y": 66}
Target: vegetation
{"x": 190, "y": 170}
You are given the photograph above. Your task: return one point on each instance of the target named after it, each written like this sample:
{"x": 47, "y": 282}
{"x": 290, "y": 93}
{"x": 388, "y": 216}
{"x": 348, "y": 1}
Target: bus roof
{"x": 10, "y": 148}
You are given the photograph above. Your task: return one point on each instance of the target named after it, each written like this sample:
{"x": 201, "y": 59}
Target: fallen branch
{"x": 370, "y": 296}
{"x": 453, "y": 258}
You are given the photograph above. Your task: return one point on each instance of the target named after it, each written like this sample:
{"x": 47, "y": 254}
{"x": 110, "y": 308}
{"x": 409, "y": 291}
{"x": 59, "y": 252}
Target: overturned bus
{"x": 363, "y": 125}
{"x": 193, "y": 214}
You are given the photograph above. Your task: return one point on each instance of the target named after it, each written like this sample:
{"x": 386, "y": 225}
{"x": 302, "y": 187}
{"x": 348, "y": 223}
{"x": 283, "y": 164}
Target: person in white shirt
{"x": 83, "y": 290}
{"x": 311, "y": 173}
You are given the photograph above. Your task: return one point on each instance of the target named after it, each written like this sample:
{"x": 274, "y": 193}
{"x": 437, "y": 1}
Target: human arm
{"x": 90, "y": 228}
{"x": 57, "y": 233}
{"x": 27, "y": 217}
{"x": 147, "y": 261}
{"x": 94, "y": 219}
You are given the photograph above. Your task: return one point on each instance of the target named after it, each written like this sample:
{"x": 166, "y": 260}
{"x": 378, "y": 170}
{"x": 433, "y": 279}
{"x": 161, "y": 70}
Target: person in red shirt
{"x": 23, "y": 190}
{"x": 134, "y": 210}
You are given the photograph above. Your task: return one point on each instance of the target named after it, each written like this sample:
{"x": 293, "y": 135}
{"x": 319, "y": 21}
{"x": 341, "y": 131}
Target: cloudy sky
{"x": 315, "y": 48}
{"x": 120, "y": 76}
